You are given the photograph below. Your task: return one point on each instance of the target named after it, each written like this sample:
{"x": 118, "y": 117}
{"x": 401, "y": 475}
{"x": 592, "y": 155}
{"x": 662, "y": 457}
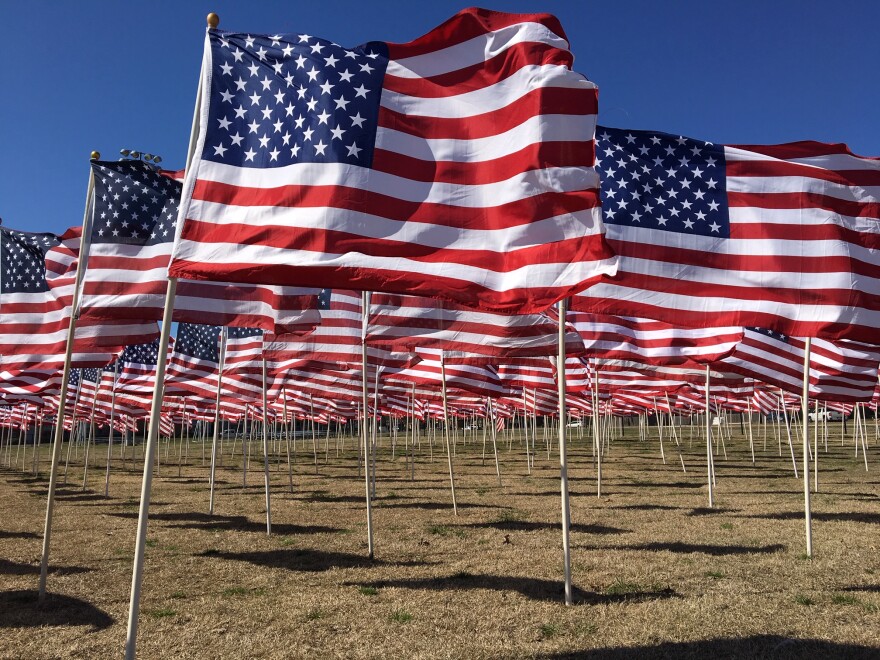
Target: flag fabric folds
{"x": 458, "y": 166}
{"x": 781, "y": 237}
{"x": 134, "y": 215}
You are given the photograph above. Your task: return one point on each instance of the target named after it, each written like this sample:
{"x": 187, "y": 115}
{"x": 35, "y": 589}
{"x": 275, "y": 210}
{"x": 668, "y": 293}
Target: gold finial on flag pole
{"x": 96, "y": 155}
{"x": 213, "y": 21}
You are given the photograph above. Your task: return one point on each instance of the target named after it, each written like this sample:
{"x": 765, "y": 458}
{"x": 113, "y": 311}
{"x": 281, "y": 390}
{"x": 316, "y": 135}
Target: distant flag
{"x": 782, "y": 237}
{"x": 458, "y": 166}
{"x": 134, "y": 218}
{"x": 193, "y": 366}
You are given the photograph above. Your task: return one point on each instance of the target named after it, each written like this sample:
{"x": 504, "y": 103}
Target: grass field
{"x": 657, "y": 573}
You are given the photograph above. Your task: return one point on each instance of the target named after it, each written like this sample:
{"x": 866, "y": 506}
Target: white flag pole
{"x": 365, "y": 433}
{"x": 266, "y": 450}
{"x": 217, "y": 419}
{"x": 563, "y": 456}
{"x": 446, "y": 430}
{"x": 709, "y": 466}
{"x": 805, "y": 405}
{"x": 156, "y": 407}
{"x": 65, "y": 380}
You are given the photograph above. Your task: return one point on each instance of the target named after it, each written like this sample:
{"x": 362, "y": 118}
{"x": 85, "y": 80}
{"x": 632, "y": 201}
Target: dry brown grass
{"x": 657, "y": 574}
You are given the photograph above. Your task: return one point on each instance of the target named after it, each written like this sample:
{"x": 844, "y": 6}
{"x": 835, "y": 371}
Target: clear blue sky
{"x": 78, "y": 76}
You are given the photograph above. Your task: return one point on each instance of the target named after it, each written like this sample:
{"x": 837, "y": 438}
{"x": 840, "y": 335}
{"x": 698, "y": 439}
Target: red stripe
{"x": 720, "y": 262}
{"x": 531, "y": 157}
{"x": 481, "y": 74}
{"x": 805, "y": 200}
{"x": 588, "y": 248}
{"x": 549, "y": 101}
{"x": 765, "y": 168}
{"x": 829, "y": 231}
{"x": 504, "y": 216}
{"x": 465, "y": 25}
{"x": 802, "y": 149}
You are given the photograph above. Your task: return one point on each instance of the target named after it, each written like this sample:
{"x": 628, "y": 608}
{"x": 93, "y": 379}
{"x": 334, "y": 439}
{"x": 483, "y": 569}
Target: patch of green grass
{"x": 549, "y": 630}
{"x": 804, "y": 557}
{"x": 400, "y": 616}
{"x": 234, "y": 591}
{"x": 314, "y": 615}
{"x": 512, "y": 516}
{"x": 727, "y": 526}
{"x": 161, "y": 613}
{"x": 586, "y": 629}
{"x": 871, "y": 607}
{"x": 152, "y": 543}
{"x": 287, "y": 540}
{"x": 844, "y": 599}
{"x": 369, "y": 591}
{"x": 715, "y": 575}
{"x": 482, "y": 490}
{"x": 391, "y": 496}
{"x": 177, "y": 595}
{"x": 800, "y": 599}
{"x": 444, "y": 530}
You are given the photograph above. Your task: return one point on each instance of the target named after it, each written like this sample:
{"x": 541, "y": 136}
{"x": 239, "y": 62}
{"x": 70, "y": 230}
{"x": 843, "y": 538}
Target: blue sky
{"x": 109, "y": 75}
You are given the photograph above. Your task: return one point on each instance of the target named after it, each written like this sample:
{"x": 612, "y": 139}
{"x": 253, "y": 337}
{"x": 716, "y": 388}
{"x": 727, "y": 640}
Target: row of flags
{"x": 463, "y": 180}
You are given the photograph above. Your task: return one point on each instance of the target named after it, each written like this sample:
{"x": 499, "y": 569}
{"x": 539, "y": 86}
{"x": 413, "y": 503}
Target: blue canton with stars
{"x": 201, "y": 342}
{"x": 662, "y": 181}
{"x": 324, "y": 299}
{"x": 134, "y": 204}
{"x": 243, "y": 333}
{"x": 285, "y": 99}
{"x": 147, "y": 354}
{"x": 778, "y": 336}
{"x": 23, "y": 260}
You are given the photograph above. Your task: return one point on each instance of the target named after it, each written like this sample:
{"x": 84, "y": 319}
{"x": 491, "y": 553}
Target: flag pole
{"x": 365, "y": 433}
{"x": 805, "y": 398}
{"x": 446, "y": 430}
{"x": 709, "y": 466}
{"x": 563, "y": 455}
{"x": 110, "y": 437}
{"x": 156, "y": 407}
{"x": 217, "y": 419}
{"x": 266, "y": 450}
{"x": 65, "y": 380}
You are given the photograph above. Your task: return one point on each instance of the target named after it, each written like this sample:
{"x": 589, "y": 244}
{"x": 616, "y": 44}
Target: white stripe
{"x": 473, "y": 51}
{"x": 486, "y": 99}
{"x": 539, "y": 129}
{"x": 802, "y": 184}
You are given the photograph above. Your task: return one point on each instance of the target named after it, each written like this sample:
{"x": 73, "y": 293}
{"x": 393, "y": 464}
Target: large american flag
{"x": 459, "y": 165}
{"x": 782, "y": 237}
{"x": 134, "y": 216}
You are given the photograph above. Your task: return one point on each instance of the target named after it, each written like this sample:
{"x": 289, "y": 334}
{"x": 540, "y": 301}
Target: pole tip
{"x": 213, "y": 21}
{"x": 96, "y": 155}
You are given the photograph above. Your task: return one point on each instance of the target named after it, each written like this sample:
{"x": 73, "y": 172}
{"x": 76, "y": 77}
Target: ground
{"x": 656, "y": 572}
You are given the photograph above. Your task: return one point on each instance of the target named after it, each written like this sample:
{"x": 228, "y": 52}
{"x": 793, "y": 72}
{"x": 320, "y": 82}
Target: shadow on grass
{"x": 646, "y": 507}
{"x": 529, "y": 526}
{"x": 15, "y": 568}
{"x": 532, "y": 588}
{"x": 768, "y": 647}
{"x": 203, "y": 521}
{"x": 306, "y": 560}
{"x": 433, "y": 506}
{"x": 844, "y": 516}
{"x": 689, "y": 548}
{"x": 864, "y": 587}
{"x": 18, "y": 535}
{"x": 710, "y": 511}
{"x": 20, "y": 609}
{"x": 68, "y": 495}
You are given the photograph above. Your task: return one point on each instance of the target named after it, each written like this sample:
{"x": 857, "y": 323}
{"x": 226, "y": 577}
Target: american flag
{"x": 839, "y": 371}
{"x": 134, "y": 217}
{"x": 193, "y": 366}
{"x": 243, "y": 368}
{"x": 34, "y": 318}
{"x": 612, "y": 337}
{"x": 137, "y": 373}
{"x": 781, "y": 237}
{"x": 459, "y": 165}
{"x": 407, "y": 322}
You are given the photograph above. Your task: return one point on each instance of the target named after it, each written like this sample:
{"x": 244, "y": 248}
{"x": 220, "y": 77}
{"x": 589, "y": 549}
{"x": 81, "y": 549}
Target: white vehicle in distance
{"x": 829, "y": 415}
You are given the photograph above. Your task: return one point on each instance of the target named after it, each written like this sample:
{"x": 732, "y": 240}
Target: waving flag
{"x": 134, "y": 211}
{"x": 459, "y": 165}
{"x": 193, "y": 366}
{"x": 782, "y": 237}
{"x": 408, "y": 322}
{"x": 34, "y": 318}
{"x": 839, "y": 371}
